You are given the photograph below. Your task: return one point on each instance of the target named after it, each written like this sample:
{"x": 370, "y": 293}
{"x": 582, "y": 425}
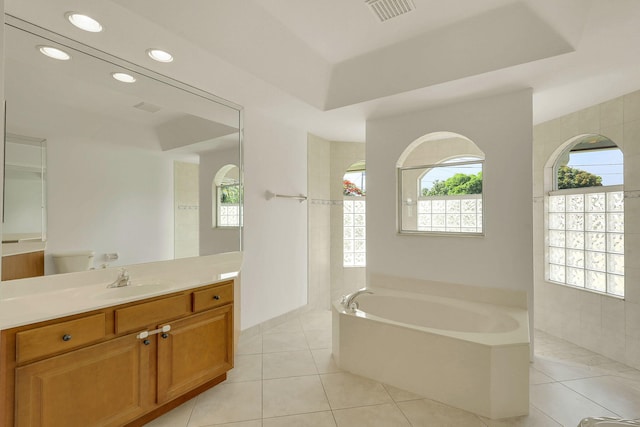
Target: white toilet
{"x": 69, "y": 262}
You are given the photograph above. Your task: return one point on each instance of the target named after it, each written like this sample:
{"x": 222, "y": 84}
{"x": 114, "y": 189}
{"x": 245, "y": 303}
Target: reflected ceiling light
{"x": 123, "y": 77}
{"x": 54, "y": 53}
{"x": 159, "y": 55}
{"x": 84, "y": 22}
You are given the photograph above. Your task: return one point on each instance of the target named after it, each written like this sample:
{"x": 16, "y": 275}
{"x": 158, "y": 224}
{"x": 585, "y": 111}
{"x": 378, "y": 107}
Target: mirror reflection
{"x": 129, "y": 166}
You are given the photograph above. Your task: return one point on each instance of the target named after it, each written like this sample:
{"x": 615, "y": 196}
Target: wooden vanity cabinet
{"x": 94, "y": 369}
{"x": 103, "y": 384}
{"x": 192, "y": 354}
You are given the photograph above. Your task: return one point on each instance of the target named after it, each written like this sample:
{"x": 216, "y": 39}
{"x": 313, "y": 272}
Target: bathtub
{"x": 470, "y": 355}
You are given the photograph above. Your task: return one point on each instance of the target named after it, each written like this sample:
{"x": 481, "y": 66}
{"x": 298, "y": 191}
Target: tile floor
{"x": 285, "y": 377}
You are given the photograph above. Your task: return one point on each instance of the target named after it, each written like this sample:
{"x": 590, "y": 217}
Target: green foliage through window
{"x": 458, "y": 184}
{"x": 230, "y": 194}
{"x": 569, "y": 177}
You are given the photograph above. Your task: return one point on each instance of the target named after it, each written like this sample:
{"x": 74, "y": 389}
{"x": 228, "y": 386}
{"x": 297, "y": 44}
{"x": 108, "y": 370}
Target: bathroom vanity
{"x": 134, "y": 354}
{"x": 22, "y": 259}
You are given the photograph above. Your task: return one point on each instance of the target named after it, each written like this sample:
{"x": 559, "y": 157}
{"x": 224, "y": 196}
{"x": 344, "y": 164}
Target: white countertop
{"x": 32, "y": 300}
{"x": 27, "y": 246}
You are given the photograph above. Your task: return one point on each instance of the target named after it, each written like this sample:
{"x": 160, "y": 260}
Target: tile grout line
{"x": 396, "y": 404}
{"x": 589, "y": 399}
{"x": 543, "y": 412}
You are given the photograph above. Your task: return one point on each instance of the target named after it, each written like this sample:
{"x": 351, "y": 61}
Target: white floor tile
{"x": 427, "y": 413}
{"x": 178, "y": 417}
{"x": 254, "y": 423}
{"x": 288, "y": 364}
{"x": 289, "y": 326}
{"x": 399, "y": 395}
{"x": 565, "y": 405}
{"x": 346, "y": 390}
{"x": 247, "y": 367}
{"x": 226, "y": 403}
{"x": 609, "y": 393}
{"x": 318, "y": 338}
{"x": 387, "y": 415}
{"x": 563, "y": 370}
{"x": 316, "y": 320}
{"x": 316, "y": 419}
{"x": 537, "y": 377}
{"x": 536, "y": 418}
{"x": 290, "y": 341}
{"x": 249, "y": 345}
{"x": 290, "y": 396}
{"x": 324, "y": 361}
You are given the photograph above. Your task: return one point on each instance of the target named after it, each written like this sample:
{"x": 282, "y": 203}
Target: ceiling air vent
{"x": 387, "y": 9}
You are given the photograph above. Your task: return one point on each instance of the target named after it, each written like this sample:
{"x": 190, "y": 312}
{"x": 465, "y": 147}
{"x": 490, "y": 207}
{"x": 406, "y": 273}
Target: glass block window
{"x": 585, "y": 222}
{"x": 229, "y": 211}
{"x": 586, "y": 240}
{"x": 355, "y": 233}
{"x": 457, "y": 214}
{"x": 354, "y": 217}
{"x": 227, "y": 197}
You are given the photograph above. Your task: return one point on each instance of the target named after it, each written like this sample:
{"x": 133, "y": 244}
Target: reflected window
{"x": 440, "y": 185}
{"x": 228, "y": 197}
{"x": 354, "y": 189}
{"x": 585, "y": 222}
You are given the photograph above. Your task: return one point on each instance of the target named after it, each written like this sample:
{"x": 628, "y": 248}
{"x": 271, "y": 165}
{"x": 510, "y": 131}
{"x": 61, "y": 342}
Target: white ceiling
{"x": 326, "y": 66}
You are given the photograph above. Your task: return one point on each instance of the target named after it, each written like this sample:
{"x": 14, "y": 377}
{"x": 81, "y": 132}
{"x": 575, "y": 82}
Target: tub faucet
{"x": 349, "y": 301}
{"x": 123, "y": 279}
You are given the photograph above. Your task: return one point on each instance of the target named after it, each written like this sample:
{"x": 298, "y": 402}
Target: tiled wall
{"x": 186, "y": 209}
{"x": 605, "y": 324}
{"x": 327, "y": 163}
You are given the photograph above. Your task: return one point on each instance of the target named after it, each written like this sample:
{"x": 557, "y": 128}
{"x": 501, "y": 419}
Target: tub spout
{"x": 349, "y": 301}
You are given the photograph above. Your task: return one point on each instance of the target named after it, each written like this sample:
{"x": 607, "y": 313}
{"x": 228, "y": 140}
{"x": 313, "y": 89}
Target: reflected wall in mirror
{"x": 114, "y": 149}
{"x": 24, "y": 216}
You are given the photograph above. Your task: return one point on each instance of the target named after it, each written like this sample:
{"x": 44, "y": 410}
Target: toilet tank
{"x": 68, "y": 262}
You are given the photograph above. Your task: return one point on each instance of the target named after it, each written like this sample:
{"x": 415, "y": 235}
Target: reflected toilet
{"x": 69, "y": 262}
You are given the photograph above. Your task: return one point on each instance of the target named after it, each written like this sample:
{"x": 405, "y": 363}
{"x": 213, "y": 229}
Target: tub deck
{"x": 486, "y": 373}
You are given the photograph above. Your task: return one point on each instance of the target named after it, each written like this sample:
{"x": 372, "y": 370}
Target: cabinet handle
{"x": 165, "y": 335}
{"x": 216, "y": 297}
{"x": 146, "y": 342}
{"x": 66, "y": 337}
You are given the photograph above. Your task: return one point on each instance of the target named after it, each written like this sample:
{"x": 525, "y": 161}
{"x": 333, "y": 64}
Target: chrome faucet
{"x": 349, "y": 301}
{"x": 123, "y": 280}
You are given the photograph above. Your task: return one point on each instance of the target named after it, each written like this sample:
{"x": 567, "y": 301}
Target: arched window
{"x": 354, "y": 185}
{"x": 227, "y": 196}
{"x": 585, "y": 222}
{"x": 440, "y": 185}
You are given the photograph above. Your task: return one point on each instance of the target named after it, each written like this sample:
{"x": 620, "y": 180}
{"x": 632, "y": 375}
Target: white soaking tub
{"x": 470, "y": 355}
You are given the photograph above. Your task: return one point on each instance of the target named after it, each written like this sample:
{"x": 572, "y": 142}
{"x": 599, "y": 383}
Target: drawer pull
{"x": 145, "y": 334}
{"x": 216, "y": 297}
{"x": 66, "y": 337}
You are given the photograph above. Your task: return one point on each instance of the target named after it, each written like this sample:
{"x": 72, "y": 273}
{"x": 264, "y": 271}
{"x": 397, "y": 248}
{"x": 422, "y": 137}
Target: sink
{"x": 134, "y": 290}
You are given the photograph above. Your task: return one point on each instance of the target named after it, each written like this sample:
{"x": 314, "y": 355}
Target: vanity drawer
{"x": 150, "y": 313}
{"x": 213, "y": 297}
{"x": 51, "y": 339}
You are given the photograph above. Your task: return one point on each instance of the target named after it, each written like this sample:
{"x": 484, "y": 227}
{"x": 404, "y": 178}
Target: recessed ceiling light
{"x": 84, "y": 22}
{"x": 54, "y": 53}
{"x": 159, "y": 55}
{"x": 123, "y": 77}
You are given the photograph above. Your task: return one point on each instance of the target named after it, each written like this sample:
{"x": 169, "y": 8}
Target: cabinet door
{"x": 198, "y": 349}
{"x": 102, "y": 385}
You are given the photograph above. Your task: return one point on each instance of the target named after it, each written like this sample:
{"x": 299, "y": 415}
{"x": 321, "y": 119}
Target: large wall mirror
{"x": 129, "y": 166}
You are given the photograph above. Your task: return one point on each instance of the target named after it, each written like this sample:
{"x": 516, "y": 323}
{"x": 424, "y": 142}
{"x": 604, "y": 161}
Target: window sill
{"x": 438, "y": 234}
{"x": 593, "y": 291}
